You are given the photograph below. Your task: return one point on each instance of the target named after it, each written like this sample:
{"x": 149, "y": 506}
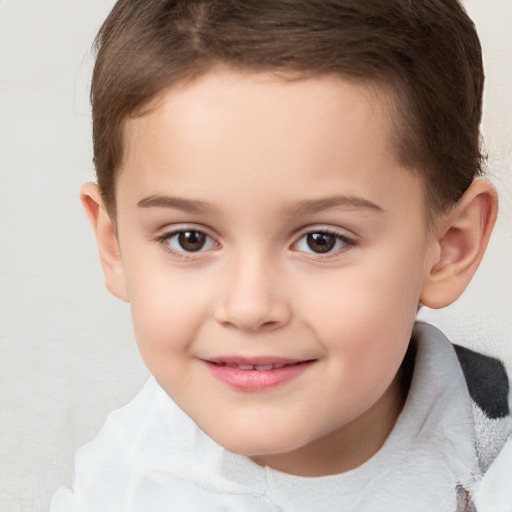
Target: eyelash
{"x": 184, "y": 255}
{"x": 164, "y": 241}
{"x": 347, "y": 242}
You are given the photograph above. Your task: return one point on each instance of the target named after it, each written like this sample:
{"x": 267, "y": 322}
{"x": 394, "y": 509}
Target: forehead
{"x": 233, "y": 133}
{"x": 253, "y": 96}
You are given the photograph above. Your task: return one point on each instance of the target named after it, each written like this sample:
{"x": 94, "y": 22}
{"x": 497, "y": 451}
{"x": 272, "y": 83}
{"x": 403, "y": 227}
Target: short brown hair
{"x": 426, "y": 52}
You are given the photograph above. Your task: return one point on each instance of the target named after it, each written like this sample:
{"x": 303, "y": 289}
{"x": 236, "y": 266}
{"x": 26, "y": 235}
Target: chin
{"x": 254, "y": 444}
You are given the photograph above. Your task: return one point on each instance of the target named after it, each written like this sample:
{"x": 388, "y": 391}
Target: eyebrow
{"x": 176, "y": 203}
{"x": 301, "y": 208}
{"x": 329, "y": 203}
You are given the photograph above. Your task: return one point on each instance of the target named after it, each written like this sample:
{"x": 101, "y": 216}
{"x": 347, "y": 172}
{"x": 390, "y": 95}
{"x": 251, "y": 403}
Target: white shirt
{"x": 151, "y": 457}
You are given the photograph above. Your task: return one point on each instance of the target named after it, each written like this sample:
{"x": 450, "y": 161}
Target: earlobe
{"x": 463, "y": 235}
{"x": 106, "y": 239}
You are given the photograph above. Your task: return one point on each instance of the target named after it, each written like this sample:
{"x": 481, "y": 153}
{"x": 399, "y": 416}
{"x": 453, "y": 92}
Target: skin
{"x": 243, "y": 159}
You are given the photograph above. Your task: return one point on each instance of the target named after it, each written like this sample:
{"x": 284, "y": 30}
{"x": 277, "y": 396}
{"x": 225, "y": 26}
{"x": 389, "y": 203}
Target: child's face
{"x": 263, "y": 223}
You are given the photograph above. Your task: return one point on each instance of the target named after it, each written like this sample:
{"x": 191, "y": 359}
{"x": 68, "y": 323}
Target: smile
{"x": 258, "y": 367}
{"x": 254, "y": 376}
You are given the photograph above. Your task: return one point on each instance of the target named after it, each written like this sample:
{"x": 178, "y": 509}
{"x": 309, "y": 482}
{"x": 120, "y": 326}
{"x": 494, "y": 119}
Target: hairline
{"x": 380, "y": 91}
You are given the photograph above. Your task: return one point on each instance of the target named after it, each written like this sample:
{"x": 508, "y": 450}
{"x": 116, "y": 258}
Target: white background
{"x": 67, "y": 354}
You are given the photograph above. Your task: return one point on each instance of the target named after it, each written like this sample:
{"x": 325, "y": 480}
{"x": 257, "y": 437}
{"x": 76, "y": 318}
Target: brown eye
{"x": 321, "y": 242}
{"x": 191, "y": 241}
{"x": 187, "y": 242}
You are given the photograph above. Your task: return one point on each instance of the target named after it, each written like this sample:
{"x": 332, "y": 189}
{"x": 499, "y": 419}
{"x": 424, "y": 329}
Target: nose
{"x": 253, "y": 298}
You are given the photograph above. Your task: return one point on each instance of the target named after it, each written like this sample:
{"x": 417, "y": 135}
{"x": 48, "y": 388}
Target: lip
{"x": 266, "y": 372}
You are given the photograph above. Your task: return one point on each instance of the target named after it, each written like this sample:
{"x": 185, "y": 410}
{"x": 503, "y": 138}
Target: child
{"x": 281, "y": 185}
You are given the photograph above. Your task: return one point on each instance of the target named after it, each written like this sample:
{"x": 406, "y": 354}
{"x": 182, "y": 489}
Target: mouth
{"x": 258, "y": 374}
{"x": 258, "y": 367}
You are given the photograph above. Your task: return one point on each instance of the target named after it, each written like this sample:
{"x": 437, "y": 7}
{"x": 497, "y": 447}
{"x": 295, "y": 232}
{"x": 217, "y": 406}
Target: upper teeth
{"x": 260, "y": 367}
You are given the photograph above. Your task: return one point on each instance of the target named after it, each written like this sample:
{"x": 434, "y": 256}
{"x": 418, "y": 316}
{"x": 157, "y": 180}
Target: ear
{"x": 461, "y": 240}
{"x": 106, "y": 238}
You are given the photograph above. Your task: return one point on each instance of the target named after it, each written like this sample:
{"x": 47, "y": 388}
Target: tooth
{"x": 279, "y": 365}
{"x": 245, "y": 366}
{"x": 263, "y": 367}
{"x": 231, "y": 365}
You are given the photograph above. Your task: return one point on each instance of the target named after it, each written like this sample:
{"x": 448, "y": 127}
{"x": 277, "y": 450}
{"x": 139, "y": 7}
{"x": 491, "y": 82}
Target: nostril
{"x": 259, "y": 326}
{"x": 269, "y": 325}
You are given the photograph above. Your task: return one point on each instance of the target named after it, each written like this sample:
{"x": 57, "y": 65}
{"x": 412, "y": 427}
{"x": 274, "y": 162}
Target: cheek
{"x": 167, "y": 308}
{"x": 370, "y": 297}
{"x": 365, "y": 314}
{"x": 369, "y": 343}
